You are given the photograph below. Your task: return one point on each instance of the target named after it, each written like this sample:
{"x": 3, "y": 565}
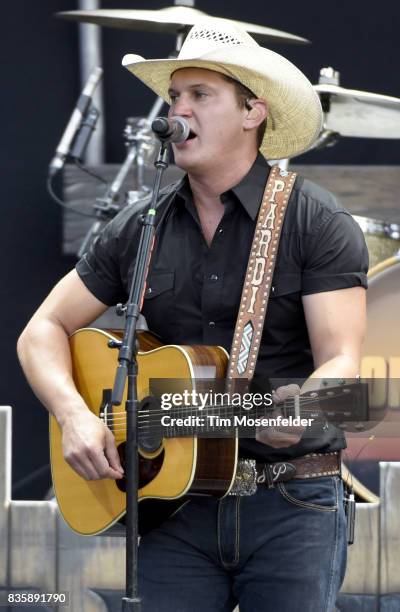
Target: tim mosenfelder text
{"x": 244, "y": 420}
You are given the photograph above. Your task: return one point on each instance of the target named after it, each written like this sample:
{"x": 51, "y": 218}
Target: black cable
{"x": 90, "y": 172}
{"x": 31, "y": 477}
{"x": 61, "y": 203}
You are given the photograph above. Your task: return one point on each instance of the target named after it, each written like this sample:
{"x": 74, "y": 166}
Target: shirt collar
{"x": 249, "y": 191}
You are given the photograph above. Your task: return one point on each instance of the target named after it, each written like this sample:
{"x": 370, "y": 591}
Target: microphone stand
{"x": 128, "y": 369}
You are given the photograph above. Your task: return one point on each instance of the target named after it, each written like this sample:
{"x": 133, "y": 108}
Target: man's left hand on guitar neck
{"x": 280, "y": 437}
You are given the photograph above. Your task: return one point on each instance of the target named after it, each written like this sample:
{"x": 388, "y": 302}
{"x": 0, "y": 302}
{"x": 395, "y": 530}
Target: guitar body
{"x": 176, "y": 469}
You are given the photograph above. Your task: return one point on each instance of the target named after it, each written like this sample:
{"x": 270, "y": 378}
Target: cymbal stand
{"x": 327, "y": 138}
{"x": 106, "y": 207}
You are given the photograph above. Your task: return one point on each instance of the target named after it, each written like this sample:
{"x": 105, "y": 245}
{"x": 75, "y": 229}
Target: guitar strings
{"x": 303, "y": 400}
{"x": 119, "y": 425}
{"x": 153, "y": 415}
{"x": 151, "y": 423}
{"x": 289, "y": 403}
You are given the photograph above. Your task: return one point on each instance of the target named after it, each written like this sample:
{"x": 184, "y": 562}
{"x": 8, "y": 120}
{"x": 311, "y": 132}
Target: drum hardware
{"x": 382, "y": 238}
{"x": 138, "y": 131}
{"x": 352, "y": 113}
{"x": 381, "y": 356}
{"x": 329, "y": 76}
{"x": 357, "y": 114}
{"x": 360, "y": 114}
{"x": 327, "y": 138}
{"x": 177, "y": 19}
{"x": 140, "y": 144}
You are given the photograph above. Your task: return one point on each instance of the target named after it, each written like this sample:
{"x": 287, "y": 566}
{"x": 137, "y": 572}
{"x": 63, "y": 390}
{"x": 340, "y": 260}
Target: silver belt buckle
{"x": 245, "y": 482}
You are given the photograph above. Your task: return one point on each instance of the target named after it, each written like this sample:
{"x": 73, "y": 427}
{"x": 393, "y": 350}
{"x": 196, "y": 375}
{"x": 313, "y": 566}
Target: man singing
{"x": 282, "y": 549}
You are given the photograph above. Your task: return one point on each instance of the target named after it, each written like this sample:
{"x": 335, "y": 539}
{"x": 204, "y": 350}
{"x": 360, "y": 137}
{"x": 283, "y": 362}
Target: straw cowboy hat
{"x": 294, "y": 115}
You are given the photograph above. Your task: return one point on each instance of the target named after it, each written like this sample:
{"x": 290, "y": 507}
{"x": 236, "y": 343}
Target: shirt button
{"x": 214, "y": 277}
{"x": 211, "y": 324}
{"x": 149, "y": 290}
{"x": 220, "y": 231}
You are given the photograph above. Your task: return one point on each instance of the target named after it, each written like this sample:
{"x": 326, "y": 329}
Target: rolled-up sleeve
{"x": 99, "y": 268}
{"x": 336, "y": 254}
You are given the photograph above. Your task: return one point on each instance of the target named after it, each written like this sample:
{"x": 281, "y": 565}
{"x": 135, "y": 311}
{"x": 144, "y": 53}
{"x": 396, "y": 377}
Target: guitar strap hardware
{"x": 276, "y": 472}
{"x": 249, "y": 474}
{"x": 245, "y": 479}
{"x": 259, "y": 274}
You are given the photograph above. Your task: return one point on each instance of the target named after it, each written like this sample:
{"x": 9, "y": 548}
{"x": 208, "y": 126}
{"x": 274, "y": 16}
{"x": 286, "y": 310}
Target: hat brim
{"x": 294, "y": 109}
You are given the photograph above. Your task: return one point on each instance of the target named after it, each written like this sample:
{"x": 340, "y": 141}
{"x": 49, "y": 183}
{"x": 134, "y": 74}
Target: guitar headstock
{"x": 346, "y": 405}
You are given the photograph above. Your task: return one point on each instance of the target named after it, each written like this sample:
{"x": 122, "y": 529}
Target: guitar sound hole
{"x": 148, "y": 468}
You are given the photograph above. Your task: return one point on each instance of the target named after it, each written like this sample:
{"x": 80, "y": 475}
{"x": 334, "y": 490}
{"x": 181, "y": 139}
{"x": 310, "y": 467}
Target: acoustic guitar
{"x": 174, "y": 463}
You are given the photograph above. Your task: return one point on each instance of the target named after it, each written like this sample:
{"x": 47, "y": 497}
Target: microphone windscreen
{"x": 161, "y": 126}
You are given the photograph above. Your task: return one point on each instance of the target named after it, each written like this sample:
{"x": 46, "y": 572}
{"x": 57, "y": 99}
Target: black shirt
{"x": 193, "y": 291}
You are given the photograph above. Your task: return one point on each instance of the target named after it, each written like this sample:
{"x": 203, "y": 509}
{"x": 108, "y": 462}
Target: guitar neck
{"x": 337, "y": 404}
{"x": 224, "y": 421}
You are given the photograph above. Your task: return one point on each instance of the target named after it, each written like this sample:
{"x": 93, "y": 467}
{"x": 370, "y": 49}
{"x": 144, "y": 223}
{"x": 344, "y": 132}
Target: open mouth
{"x": 192, "y": 135}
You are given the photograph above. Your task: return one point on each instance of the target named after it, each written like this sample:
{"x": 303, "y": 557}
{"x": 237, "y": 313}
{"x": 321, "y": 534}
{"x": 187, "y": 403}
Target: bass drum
{"x": 380, "y": 363}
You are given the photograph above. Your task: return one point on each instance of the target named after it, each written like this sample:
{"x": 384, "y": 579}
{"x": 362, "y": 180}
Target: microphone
{"x": 74, "y": 123}
{"x": 84, "y": 134}
{"x": 175, "y": 129}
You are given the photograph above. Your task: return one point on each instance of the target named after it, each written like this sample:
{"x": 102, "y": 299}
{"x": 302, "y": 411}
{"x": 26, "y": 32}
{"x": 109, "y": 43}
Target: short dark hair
{"x": 243, "y": 95}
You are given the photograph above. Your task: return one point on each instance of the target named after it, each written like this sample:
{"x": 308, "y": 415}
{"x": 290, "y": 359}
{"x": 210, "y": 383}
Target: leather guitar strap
{"x": 260, "y": 270}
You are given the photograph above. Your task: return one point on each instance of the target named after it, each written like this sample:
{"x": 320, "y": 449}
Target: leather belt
{"x": 250, "y": 473}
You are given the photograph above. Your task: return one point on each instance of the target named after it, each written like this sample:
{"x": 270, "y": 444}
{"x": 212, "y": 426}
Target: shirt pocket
{"x": 159, "y": 303}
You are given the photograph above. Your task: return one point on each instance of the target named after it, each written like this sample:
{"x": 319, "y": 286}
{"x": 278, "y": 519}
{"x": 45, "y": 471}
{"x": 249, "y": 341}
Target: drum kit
{"x": 347, "y": 113}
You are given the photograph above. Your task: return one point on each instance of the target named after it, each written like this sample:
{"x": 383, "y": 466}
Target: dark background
{"x": 40, "y": 84}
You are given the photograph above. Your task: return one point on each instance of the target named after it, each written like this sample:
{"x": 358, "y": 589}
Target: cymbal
{"x": 173, "y": 20}
{"x": 359, "y": 114}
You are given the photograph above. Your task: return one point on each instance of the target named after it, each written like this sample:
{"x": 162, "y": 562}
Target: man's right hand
{"x": 89, "y": 447}
{"x": 45, "y": 355}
